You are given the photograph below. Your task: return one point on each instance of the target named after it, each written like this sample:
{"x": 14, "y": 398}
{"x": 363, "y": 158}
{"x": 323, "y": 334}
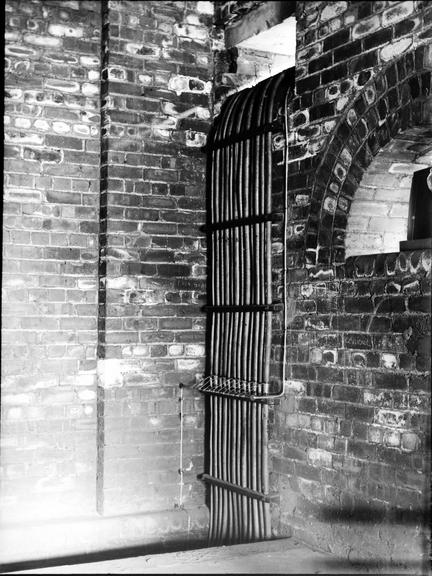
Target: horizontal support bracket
{"x": 252, "y": 391}
{"x": 238, "y": 489}
{"x": 273, "y": 307}
{"x": 242, "y": 136}
{"x": 246, "y": 221}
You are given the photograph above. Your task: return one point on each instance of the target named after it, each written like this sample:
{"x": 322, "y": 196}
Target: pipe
{"x": 212, "y": 523}
{"x": 241, "y": 338}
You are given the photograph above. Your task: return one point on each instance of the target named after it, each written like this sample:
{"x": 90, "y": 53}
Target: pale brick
{"x": 63, "y": 85}
{"x": 397, "y": 13}
{"x": 194, "y": 350}
{"x": 295, "y": 386}
{"x": 391, "y": 417}
{"x": 332, "y": 10}
{"x": 179, "y": 84}
{"x": 394, "y": 49}
{"x": 89, "y": 61}
{"x": 204, "y": 7}
{"x": 61, "y": 127}
{"x": 365, "y": 194}
{"x": 90, "y": 89}
{"x": 189, "y": 364}
{"x": 362, "y": 208}
{"x": 399, "y": 210}
{"x": 404, "y": 168}
{"x": 357, "y": 223}
{"x": 392, "y": 225}
{"x": 392, "y": 438}
{"x": 17, "y": 399}
{"x": 64, "y": 30}
{"x": 317, "y": 456}
{"x": 366, "y": 26}
{"x": 389, "y": 361}
{"x": 391, "y": 195}
{"x": 391, "y": 241}
{"x": 197, "y": 33}
{"x": 39, "y": 40}
{"x": 87, "y": 395}
{"x": 410, "y": 441}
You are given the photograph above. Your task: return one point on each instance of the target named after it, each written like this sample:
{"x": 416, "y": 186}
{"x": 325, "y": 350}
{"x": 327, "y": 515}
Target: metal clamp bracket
{"x": 246, "y": 221}
{"x": 239, "y": 489}
{"x": 273, "y": 307}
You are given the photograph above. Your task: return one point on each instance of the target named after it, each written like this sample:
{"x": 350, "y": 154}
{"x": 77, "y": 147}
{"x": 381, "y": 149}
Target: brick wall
{"x": 351, "y": 435}
{"x": 96, "y": 344}
{"x": 50, "y": 226}
{"x": 107, "y": 109}
{"x": 156, "y": 85}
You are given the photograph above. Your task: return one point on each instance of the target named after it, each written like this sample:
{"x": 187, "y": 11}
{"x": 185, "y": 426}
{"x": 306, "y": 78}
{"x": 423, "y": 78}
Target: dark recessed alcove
{"x": 420, "y": 213}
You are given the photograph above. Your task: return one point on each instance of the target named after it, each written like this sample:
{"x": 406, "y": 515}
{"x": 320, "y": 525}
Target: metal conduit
{"x": 240, "y": 312}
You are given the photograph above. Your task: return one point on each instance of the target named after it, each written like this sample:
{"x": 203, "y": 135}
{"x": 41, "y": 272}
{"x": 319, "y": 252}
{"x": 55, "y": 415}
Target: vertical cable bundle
{"x": 240, "y": 313}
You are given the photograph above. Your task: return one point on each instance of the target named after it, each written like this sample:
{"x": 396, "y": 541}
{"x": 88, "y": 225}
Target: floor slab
{"x": 283, "y": 556}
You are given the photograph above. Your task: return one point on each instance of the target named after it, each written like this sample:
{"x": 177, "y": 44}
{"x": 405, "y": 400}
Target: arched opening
{"x": 378, "y": 219}
{"x": 394, "y": 100}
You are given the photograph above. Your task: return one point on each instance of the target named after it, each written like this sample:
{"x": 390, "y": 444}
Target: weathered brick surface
{"x": 116, "y": 166}
{"x": 353, "y": 429}
{"x": 49, "y": 279}
{"x": 156, "y": 83}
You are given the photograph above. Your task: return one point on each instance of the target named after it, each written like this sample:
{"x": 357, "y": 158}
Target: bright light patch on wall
{"x": 205, "y": 7}
{"x": 260, "y": 55}
{"x": 279, "y": 39}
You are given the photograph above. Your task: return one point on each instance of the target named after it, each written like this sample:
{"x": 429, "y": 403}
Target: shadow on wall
{"x": 371, "y": 518}
{"x": 371, "y": 515}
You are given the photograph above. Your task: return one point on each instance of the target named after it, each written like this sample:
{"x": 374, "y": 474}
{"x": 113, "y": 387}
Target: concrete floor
{"x": 284, "y": 556}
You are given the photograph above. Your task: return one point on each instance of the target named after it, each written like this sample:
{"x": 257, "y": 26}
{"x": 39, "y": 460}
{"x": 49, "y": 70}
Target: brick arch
{"x": 391, "y": 101}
